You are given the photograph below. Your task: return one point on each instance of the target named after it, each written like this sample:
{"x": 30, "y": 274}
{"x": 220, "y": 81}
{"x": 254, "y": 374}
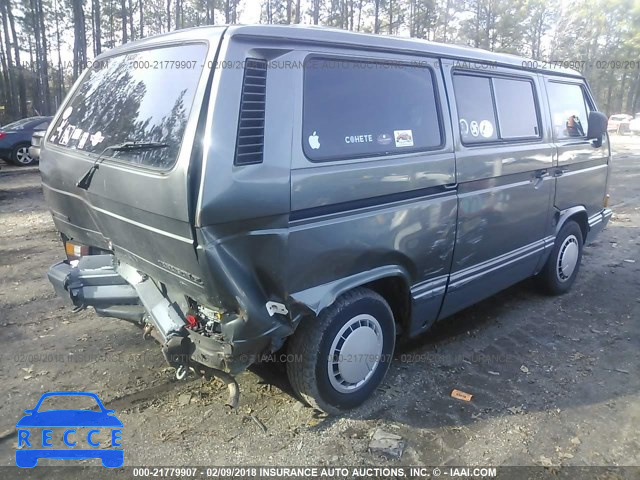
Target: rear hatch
{"x": 138, "y": 202}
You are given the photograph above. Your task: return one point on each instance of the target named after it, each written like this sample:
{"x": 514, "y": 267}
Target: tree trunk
{"x": 44, "y": 68}
{"x": 131, "y": 29}
{"x": 79, "y": 39}
{"x": 376, "y": 17}
{"x": 123, "y": 16}
{"x": 12, "y": 97}
{"x": 168, "y": 15}
{"x": 22, "y": 91}
{"x": 6, "y": 84}
{"x": 390, "y": 29}
{"x": 60, "y": 89}
{"x": 297, "y": 11}
{"x": 316, "y": 12}
{"x": 96, "y": 22}
{"x": 289, "y": 6}
{"x": 141, "y": 18}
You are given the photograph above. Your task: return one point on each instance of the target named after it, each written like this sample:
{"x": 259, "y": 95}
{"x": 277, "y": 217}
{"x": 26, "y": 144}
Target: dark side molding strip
{"x": 361, "y": 203}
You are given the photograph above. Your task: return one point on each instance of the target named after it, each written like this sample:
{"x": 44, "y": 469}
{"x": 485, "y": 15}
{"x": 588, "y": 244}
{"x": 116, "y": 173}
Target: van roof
{"x": 312, "y": 34}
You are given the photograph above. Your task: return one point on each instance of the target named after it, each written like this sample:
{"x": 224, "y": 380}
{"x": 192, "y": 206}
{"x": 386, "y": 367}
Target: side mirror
{"x": 597, "y": 127}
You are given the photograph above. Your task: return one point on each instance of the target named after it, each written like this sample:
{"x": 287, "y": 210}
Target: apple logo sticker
{"x": 314, "y": 141}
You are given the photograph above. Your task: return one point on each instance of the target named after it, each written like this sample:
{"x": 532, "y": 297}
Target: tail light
{"x": 2, "y": 135}
{"x": 75, "y": 251}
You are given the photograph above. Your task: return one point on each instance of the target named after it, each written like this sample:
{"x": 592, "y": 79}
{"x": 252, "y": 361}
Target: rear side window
{"x": 516, "y": 107}
{"x": 356, "y": 108}
{"x": 476, "y": 115}
{"x": 141, "y": 97}
{"x": 569, "y": 110}
{"x": 495, "y": 108}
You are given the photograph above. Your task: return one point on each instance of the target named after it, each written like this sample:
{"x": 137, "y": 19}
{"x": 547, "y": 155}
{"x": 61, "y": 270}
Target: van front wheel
{"x": 337, "y": 360}
{"x": 563, "y": 263}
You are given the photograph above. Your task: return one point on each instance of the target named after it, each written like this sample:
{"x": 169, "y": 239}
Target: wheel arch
{"x": 577, "y": 214}
{"x": 389, "y": 281}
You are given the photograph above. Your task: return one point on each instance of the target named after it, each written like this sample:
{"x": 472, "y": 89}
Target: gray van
{"x": 244, "y": 190}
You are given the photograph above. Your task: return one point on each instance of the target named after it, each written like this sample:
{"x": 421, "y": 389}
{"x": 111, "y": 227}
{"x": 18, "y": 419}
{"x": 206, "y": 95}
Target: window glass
{"x": 41, "y": 126}
{"x": 568, "y": 110}
{"x": 357, "y": 108}
{"x": 477, "y": 118}
{"x": 141, "y": 97}
{"x": 516, "y": 108}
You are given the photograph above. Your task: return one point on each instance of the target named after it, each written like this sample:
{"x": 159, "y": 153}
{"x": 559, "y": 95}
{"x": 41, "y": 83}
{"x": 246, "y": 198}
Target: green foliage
{"x": 601, "y": 38}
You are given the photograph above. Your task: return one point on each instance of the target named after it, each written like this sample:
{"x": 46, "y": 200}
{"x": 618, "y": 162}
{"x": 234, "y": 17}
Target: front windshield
{"x": 140, "y": 97}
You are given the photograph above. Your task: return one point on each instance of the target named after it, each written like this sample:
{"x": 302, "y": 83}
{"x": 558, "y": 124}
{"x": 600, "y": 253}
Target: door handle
{"x": 560, "y": 171}
{"x": 540, "y": 175}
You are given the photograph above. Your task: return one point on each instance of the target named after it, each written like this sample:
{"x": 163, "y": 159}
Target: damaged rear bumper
{"x": 117, "y": 290}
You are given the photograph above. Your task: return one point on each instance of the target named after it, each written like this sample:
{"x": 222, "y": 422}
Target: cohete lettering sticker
{"x": 403, "y": 138}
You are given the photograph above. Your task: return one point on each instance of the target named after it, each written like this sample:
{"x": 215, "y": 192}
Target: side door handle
{"x": 540, "y": 175}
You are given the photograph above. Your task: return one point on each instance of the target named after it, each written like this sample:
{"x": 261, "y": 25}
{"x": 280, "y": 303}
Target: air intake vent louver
{"x": 250, "y": 140}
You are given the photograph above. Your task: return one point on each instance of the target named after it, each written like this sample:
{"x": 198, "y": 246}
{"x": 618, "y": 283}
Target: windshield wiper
{"x": 85, "y": 181}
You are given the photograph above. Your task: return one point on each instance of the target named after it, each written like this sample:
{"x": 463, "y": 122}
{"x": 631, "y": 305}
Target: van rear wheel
{"x": 338, "y": 359}
{"x": 563, "y": 263}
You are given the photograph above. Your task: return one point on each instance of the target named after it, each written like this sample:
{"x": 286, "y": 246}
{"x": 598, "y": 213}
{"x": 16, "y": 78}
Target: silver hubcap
{"x": 22, "y": 155}
{"x": 355, "y": 353}
{"x": 567, "y": 258}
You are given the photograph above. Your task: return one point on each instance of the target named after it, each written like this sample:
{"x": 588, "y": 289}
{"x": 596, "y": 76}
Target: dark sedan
{"x": 15, "y": 139}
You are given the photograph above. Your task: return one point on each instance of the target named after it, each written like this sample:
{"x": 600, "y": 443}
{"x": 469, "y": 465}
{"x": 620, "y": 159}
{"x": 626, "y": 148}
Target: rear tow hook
{"x": 146, "y": 333}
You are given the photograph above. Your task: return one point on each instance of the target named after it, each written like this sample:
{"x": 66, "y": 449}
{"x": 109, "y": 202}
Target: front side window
{"x": 355, "y": 108}
{"x": 141, "y": 97}
{"x": 569, "y": 111}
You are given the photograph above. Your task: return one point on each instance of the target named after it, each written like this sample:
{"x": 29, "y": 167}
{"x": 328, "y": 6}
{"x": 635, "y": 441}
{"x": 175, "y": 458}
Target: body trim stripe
{"x": 422, "y": 193}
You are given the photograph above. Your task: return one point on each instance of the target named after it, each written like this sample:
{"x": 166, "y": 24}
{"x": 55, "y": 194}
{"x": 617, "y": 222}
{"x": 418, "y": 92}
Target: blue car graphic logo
{"x": 33, "y": 447}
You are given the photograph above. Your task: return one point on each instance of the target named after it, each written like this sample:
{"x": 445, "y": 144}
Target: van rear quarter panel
{"x": 288, "y": 228}
{"x": 358, "y": 217}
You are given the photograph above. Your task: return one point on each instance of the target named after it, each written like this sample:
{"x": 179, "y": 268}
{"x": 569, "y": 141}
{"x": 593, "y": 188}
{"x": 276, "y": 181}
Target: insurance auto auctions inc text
{"x": 385, "y": 472}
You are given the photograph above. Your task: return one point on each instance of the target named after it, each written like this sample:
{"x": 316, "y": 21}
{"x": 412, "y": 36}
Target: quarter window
{"x": 357, "y": 108}
{"x": 569, "y": 111}
{"x": 495, "y": 108}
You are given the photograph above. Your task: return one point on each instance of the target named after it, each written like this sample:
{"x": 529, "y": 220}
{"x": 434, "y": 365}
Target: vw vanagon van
{"x": 242, "y": 190}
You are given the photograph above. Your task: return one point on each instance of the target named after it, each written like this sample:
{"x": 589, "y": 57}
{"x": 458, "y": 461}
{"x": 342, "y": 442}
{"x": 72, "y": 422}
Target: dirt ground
{"x": 555, "y": 381}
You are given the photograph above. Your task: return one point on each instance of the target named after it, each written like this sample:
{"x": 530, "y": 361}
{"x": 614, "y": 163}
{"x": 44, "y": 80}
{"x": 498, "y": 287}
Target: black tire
{"x": 310, "y": 346}
{"x": 20, "y": 155}
{"x": 552, "y": 278}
